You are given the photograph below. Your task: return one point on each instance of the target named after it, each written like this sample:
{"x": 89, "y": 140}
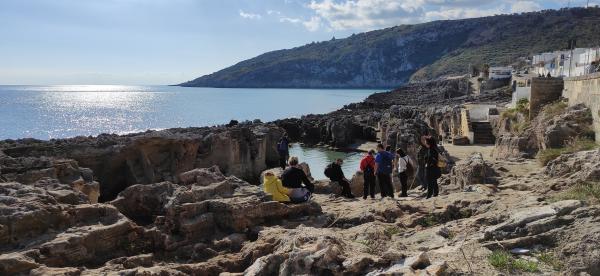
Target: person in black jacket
{"x": 293, "y": 178}
{"x": 336, "y": 174}
{"x": 432, "y": 170}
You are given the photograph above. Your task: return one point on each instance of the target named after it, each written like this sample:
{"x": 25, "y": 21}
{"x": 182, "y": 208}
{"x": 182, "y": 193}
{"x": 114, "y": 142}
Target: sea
{"x": 62, "y": 111}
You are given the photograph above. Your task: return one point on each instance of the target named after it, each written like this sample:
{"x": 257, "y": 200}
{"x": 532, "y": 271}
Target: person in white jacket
{"x": 405, "y": 165}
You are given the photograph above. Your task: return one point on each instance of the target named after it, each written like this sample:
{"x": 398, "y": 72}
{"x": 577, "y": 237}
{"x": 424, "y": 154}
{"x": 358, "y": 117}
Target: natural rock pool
{"x": 318, "y": 158}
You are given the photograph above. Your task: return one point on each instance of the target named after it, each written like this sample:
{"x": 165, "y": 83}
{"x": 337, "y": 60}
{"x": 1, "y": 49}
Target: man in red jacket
{"x": 367, "y": 166}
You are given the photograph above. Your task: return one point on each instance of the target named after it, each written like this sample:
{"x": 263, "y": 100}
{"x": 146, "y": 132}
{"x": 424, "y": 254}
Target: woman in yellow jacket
{"x": 273, "y": 186}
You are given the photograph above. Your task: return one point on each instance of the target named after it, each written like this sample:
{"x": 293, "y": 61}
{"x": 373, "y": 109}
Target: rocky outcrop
{"x": 48, "y": 227}
{"x": 30, "y": 170}
{"x": 576, "y": 167}
{"x": 474, "y": 170}
{"x": 121, "y": 161}
{"x": 552, "y": 128}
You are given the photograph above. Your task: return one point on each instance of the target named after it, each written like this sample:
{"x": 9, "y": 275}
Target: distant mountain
{"x": 390, "y": 57}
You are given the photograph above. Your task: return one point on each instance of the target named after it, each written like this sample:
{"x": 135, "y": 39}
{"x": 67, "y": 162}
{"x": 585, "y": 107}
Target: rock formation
{"x": 121, "y": 161}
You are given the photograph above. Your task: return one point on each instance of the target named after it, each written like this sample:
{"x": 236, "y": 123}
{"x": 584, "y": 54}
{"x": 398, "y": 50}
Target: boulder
{"x": 576, "y": 167}
{"x": 474, "y": 170}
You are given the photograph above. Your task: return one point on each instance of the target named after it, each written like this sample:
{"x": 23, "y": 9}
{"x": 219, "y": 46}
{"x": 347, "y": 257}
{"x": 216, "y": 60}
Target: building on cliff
{"x": 497, "y": 73}
{"x": 568, "y": 63}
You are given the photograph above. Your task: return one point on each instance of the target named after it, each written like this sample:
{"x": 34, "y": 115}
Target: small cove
{"x": 318, "y": 158}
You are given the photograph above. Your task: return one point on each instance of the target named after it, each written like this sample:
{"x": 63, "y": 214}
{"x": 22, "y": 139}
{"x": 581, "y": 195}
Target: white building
{"x": 498, "y": 73}
{"x": 560, "y": 64}
{"x": 585, "y": 62}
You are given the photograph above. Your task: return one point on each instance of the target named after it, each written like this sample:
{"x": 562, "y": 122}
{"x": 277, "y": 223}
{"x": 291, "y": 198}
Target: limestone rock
{"x": 474, "y": 170}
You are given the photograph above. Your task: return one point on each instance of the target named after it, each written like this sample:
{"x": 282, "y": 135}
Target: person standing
{"x": 293, "y": 178}
{"x": 421, "y": 163}
{"x": 283, "y": 149}
{"x": 367, "y": 166}
{"x": 405, "y": 165}
{"x": 383, "y": 168}
{"x": 432, "y": 170}
{"x": 335, "y": 173}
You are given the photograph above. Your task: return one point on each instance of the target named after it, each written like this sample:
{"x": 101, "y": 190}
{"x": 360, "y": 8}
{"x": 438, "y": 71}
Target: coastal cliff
{"x": 390, "y": 57}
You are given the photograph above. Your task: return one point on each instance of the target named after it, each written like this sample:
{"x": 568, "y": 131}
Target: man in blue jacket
{"x": 383, "y": 167}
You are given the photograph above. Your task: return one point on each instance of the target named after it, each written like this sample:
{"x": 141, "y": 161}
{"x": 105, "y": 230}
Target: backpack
{"x": 282, "y": 146}
{"x": 409, "y": 167}
{"x": 386, "y": 163}
{"x": 442, "y": 162}
{"x": 329, "y": 171}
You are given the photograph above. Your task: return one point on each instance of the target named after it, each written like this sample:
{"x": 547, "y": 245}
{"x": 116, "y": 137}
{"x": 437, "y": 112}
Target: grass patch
{"x": 391, "y": 231}
{"x": 518, "y": 116}
{"x": 428, "y": 221}
{"x": 588, "y": 192}
{"x": 503, "y": 260}
{"x": 579, "y": 144}
{"x": 550, "y": 260}
{"x": 554, "y": 109}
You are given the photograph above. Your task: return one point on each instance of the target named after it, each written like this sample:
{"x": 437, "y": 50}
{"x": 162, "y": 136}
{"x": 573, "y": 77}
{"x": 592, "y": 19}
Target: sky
{"x": 172, "y": 41}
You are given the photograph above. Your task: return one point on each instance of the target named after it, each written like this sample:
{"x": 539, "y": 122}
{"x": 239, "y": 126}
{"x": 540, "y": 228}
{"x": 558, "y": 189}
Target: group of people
{"x": 376, "y": 166}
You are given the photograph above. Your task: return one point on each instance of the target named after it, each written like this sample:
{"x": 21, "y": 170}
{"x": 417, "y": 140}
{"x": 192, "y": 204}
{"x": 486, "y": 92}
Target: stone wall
{"x": 585, "y": 90}
{"x": 465, "y": 124}
{"x": 544, "y": 91}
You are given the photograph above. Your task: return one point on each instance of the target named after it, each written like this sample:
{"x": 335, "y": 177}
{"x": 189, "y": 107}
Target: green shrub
{"x": 523, "y": 106}
{"x": 525, "y": 265}
{"x": 550, "y": 260}
{"x": 503, "y": 260}
{"x": 500, "y": 259}
{"x": 587, "y": 191}
{"x": 510, "y": 113}
{"x": 578, "y": 144}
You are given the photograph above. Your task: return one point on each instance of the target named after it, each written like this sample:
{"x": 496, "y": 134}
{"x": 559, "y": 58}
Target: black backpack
{"x": 409, "y": 167}
{"x": 329, "y": 170}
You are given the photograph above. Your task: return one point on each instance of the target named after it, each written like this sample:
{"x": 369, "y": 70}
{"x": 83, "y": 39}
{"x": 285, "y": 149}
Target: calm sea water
{"x": 46, "y": 112}
{"x": 318, "y": 158}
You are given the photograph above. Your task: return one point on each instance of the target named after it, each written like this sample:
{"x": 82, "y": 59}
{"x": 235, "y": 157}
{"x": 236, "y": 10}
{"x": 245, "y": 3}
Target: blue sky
{"x": 171, "y": 41}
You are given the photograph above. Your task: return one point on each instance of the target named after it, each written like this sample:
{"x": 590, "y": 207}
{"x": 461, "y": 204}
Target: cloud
{"x": 525, "y": 6}
{"x": 313, "y": 24}
{"x": 272, "y": 12}
{"x": 290, "y": 20}
{"x": 250, "y": 15}
{"x": 372, "y": 14}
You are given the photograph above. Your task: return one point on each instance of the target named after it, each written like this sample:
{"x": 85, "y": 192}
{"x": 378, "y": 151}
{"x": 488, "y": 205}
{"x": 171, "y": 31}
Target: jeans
{"x": 369, "y": 186}
{"x": 421, "y": 177}
{"x": 432, "y": 185}
{"x": 299, "y": 195}
{"x": 385, "y": 184}
{"x": 345, "y": 188}
{"x": 283, "y": 160}
{"x": 403, "y": 183}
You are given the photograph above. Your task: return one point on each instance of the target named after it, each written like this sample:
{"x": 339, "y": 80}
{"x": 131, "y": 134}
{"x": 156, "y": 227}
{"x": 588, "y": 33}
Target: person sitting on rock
{"x": 335, "y": 173}
{"x": 405, "y": 166}
{"x": 274, "y": 187}
{"x": 293, "y": 178}
{"x": 383, "y": 168}
{"x": 367, "y": 167}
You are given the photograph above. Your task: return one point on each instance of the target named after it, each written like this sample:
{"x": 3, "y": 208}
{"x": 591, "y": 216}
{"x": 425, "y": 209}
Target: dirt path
{"x": 462, "y": 152}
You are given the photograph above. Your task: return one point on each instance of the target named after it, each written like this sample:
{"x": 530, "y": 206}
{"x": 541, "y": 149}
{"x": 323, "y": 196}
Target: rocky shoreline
{"x": 180, "y": 201}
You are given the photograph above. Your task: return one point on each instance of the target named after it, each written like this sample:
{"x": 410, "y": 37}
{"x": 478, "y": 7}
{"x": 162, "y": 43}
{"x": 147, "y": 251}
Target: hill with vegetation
{"x": 391, "y": 57}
